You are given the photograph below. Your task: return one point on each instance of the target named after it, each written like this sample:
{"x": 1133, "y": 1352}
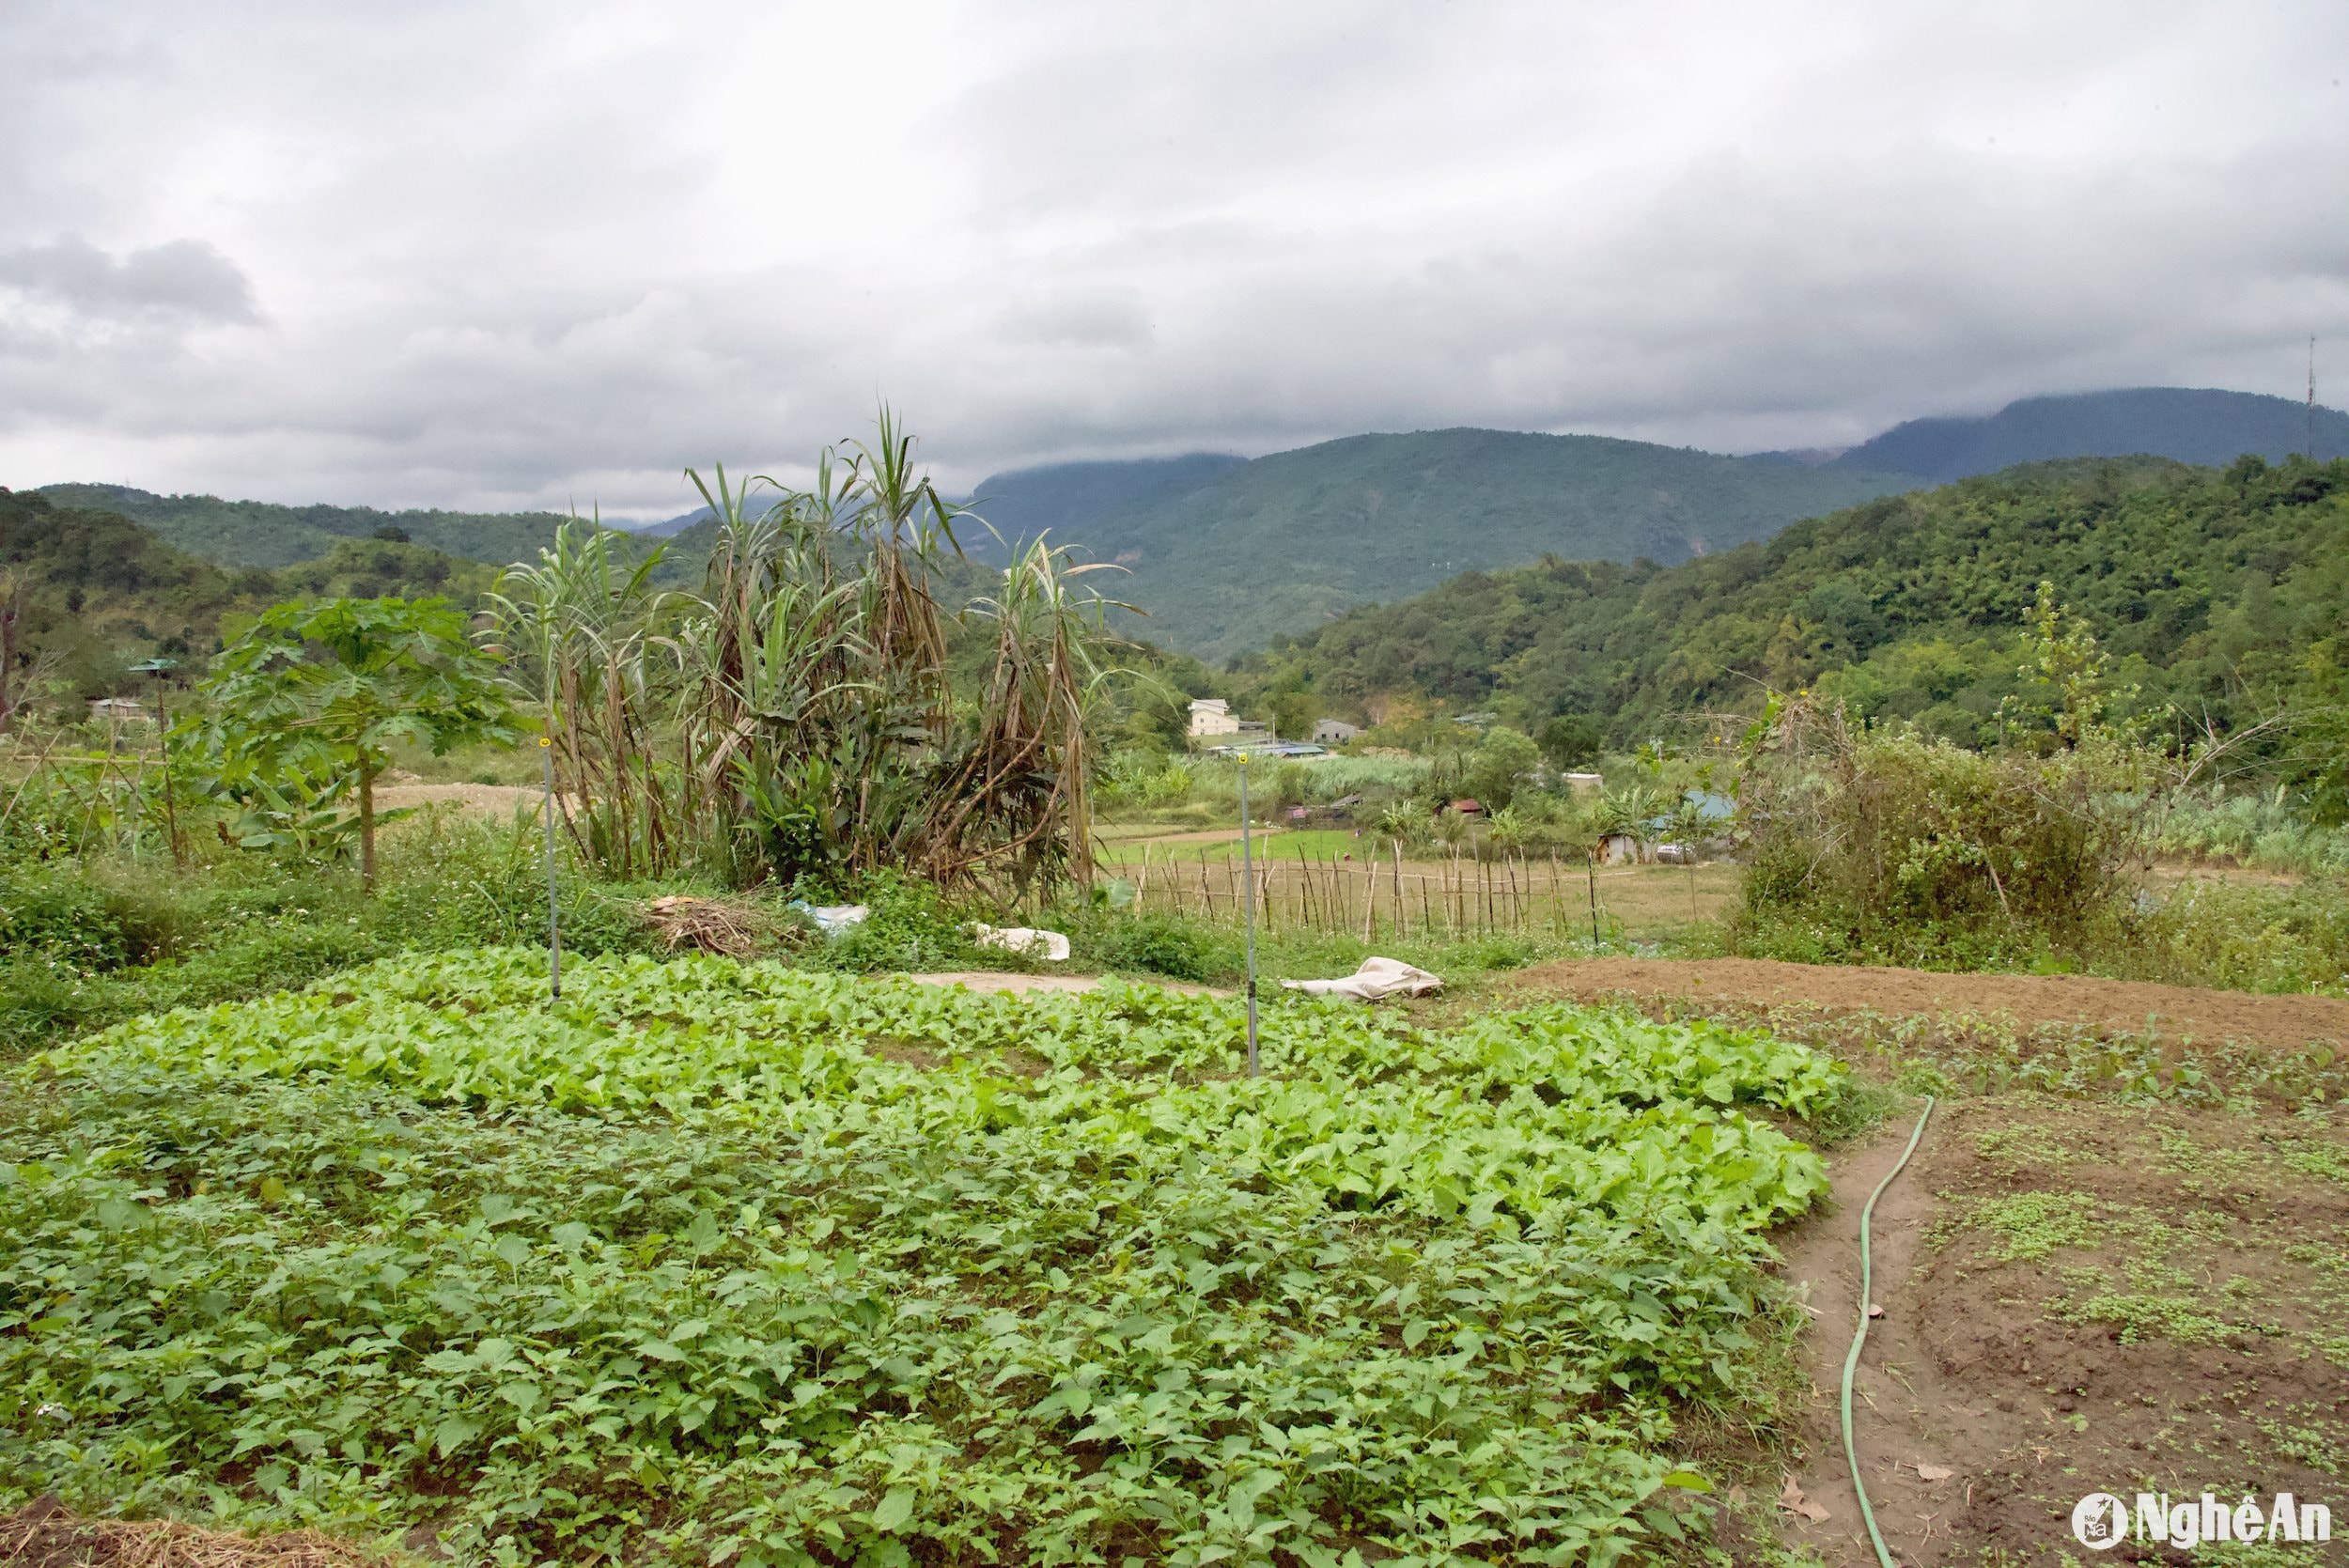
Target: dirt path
{"x": 1906, "y": 1419}
{"x": 1200, "y": 835}
{"x": 496, "y": 800}
{"x": 1020, "y": 985}
{"x": 2115, "y": 1006}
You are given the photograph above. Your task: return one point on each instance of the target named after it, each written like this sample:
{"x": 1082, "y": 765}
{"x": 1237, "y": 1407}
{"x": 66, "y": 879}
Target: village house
{"x": 1212, "y": 716}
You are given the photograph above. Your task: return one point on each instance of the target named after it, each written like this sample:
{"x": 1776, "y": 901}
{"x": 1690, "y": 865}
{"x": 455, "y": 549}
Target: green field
{"x": 721, "y": 1262}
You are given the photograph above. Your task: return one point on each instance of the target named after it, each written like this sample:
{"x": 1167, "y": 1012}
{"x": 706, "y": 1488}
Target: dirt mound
{"x": 43, "y": 1535}
{"x": 2104, "y": 1006}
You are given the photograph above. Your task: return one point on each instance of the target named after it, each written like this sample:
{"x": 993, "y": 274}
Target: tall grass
{"x": 2268, "y": 830}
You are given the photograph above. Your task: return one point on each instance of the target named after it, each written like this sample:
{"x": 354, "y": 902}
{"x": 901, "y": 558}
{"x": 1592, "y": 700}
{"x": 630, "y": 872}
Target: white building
{"x": 1334, "y": 732}
{"x": 1212, "y": 716}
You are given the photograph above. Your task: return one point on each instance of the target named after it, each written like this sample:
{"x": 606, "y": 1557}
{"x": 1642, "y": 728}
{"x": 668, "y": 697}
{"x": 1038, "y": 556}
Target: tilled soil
{"x": 2078, "y": 1299}
{"x": 2115, "y": 1006}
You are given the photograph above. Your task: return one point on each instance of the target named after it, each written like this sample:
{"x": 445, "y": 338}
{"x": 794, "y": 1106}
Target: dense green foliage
{"x": 98, "y": 591}
{"x": 90, "y": 588}
{"x": 1279, "y": 544}
{"x": 729, "y": 1261}
{"x": 2214, "y": 592}
{"x": 386, "y": 568}
{"x": 263, "y": 533}
{"x": 87, "y": 942}
{"x": 2188, "y": 425}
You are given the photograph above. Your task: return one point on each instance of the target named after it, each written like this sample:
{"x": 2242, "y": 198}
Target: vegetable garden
{"x": 717, "y": 1261}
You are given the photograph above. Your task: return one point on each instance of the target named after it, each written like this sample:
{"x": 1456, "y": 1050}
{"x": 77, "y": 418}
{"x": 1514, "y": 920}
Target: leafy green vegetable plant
{"x": 734, "y": 1263}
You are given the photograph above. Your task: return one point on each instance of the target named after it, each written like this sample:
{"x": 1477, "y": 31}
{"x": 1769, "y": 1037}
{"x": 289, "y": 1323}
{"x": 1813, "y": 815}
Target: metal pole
{"x": 171, "y": 811}
{"x": 554, "y": 937}
{"x": 1248, "y": 871}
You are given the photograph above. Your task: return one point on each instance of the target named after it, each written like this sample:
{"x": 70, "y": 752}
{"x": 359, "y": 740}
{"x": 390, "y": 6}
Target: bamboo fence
{"x": 1374, "y": 894}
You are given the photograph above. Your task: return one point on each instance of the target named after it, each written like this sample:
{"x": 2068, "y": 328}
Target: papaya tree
{"x": 323, "y": 688}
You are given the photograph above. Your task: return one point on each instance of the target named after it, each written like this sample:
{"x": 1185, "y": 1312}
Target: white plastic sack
{"x": 1050, "y": 946}
{"x": 1376, "y": 978}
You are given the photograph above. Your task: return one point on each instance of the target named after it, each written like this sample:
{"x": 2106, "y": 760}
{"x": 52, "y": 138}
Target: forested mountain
{"x": 2218, "y": 591}
{"x": 1283, "y": 543}
{"x": 1224, "y": 553}
{"x": 1074, "y": 499}
{"x": 262, "y": 533}
{"x": 2192, "y": 424}
{"x": 95, "y": 591}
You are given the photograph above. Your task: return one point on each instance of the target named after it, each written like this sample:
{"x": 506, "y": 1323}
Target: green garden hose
{"x": 1851, "y": 1362}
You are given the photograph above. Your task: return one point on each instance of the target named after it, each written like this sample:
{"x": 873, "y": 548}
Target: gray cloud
{"x": 532, "y": 252}
{"x": 184, "y": 277}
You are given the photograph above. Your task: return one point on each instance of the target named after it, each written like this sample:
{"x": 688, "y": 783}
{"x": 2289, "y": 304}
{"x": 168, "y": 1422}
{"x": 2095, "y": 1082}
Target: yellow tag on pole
{"x": 544, "y": 741}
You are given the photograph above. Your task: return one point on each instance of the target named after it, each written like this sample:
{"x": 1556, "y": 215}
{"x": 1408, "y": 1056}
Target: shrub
{"x": 1892, "y": 846}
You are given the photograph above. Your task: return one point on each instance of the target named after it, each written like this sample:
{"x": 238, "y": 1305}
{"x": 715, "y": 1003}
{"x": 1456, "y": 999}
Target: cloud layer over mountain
{"x": 512, "y": 255}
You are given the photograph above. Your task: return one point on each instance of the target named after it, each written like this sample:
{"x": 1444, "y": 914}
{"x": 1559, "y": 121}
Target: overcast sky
{"x": 506, "y": 254}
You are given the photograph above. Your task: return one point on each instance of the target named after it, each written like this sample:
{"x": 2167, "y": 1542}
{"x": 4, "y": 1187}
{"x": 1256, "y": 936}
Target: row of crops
{"x": 733, "y": 1263}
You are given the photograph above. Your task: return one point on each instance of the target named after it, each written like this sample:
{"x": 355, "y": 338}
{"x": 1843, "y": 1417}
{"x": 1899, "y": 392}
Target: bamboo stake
{"x": 1590, "y": 866}
{"x": 1370, "y": 903}
{"x": 1402, "y": 906}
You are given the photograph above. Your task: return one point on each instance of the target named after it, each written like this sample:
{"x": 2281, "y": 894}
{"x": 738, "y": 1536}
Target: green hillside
{"x": 1067, "y": 500}
{"x": 262, "y": 533}
{"x": 1284, "y": 542}
{"x": 97, "y": 592}
{"x": 2215, "y": 590}
{"x": 2192, "y": 425}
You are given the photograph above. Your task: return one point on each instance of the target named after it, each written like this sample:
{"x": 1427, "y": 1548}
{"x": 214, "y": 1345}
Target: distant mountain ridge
{"x": 1226, "y": 554}
{"x": 264, "y": 533}
{"x": 2202, "y": 426}
{"x": 1280, "y": 544}
{"x": 1070, "y": 500}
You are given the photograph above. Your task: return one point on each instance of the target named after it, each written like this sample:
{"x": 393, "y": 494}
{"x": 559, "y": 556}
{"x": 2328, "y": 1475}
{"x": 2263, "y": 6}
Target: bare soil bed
{"x": 2078, "y": 1298}
{"x": 2103, "y": 1005}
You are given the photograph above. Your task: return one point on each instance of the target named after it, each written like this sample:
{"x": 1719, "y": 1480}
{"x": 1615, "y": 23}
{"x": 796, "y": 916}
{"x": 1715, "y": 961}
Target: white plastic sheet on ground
{"x": 1377, "y": 978}
{"x": 1050, "y": 946}
{"x": 832, "y": 919}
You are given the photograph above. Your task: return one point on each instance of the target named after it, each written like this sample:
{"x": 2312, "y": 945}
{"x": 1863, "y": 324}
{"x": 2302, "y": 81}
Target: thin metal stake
{"x": 554, "y": 936}
{"x": 1248, "y": 869}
